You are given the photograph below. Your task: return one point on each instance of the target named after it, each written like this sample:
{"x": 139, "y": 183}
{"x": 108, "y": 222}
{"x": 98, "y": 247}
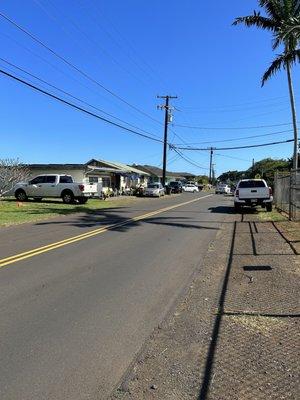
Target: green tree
{"x": 267, "y": 168}
{"x": 282, "y": 20}
{"x": 202, "y": 179}
{"x": 232, "y": 177}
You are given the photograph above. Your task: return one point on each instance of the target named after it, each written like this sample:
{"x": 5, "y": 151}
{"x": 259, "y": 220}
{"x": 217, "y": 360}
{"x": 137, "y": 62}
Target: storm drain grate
{"x": 257, "y": 268}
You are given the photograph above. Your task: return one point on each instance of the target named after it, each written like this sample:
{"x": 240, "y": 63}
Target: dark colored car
{"x": 176, "y": 187}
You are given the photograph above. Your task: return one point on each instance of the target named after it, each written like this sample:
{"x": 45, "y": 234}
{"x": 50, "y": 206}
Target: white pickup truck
{"x": 253, "y": 192}
{"x": 53, "y": 185}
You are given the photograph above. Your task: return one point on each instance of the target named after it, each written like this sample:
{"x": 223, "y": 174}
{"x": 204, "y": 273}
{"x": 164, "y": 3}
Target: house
{"x": 109, "y": 175}
{"x": 156, "y": 174}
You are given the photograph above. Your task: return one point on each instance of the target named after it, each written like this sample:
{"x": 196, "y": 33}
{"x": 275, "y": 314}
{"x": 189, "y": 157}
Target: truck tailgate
{"x": 90, "y": 188}
{"x": 254, "y": 193}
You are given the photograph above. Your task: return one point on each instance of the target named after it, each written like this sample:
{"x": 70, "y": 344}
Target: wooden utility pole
{"x": 166, "y": 107}
{"x": 210, "y": 165}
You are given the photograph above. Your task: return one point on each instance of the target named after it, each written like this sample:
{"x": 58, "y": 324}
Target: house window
{"x": 106, "y": 181}
{"x": 93, "y": 179}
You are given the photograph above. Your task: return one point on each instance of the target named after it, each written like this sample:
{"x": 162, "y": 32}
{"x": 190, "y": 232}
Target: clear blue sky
{"x": 139, "y": 49}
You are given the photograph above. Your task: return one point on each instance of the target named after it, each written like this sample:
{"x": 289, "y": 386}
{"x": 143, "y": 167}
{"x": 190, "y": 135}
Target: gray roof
{"x": 156, "y": 171}
{"x": 110, "y": 166}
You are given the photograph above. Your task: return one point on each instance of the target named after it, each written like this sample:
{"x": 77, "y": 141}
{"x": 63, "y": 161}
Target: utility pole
{"x": 213, "y": 174}
{"x": 253, "y": 167}
{"x": 210, "y": 165}
{"x": 166, "y": 107}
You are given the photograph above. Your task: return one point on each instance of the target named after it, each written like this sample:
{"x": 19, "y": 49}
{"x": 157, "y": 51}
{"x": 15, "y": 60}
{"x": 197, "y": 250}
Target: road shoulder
{"x": 235, "y": 335}
{"x": 173, "y": 359}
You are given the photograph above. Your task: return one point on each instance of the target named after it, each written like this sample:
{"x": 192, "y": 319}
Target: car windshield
{"x": 251, "y": 184}
{"x": 153, "y": 186}
{"x": 174, "y": 183}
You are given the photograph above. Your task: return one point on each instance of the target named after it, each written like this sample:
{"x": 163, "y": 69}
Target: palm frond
{"x": 276, "y": 42}
{"x": 275, "y": 67}
{"x": 273, "y": 8}
{"x": 256, "y": 20}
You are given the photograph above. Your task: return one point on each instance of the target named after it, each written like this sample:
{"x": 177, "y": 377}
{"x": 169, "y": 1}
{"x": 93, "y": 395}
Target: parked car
{"x": 222, "y": 188}
{"x": 190, "y": 187}
{"x": 57, "y": 186}
{"x": 175, "y": 186}
{"x": 154, "y": 190}
{"x": 253, "y": 192}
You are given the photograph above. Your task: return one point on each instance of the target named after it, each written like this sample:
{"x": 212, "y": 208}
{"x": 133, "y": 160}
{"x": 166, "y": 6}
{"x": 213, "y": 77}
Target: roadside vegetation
{"x": 13, "y": 212}
{"x": 273, "y": 216}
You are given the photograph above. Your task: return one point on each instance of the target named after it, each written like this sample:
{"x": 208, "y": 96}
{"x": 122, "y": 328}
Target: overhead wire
{"x": 235, "y": 148}
{"x": 189, "y": 160}
{"x": 231, "y": 128}
{"x": 80, "y": 71}
{"x": 155, "y": 75}
{"x": 240, "y": 104}
{"x": 84, "y": 34}
{"x": 74, "y": 97}
{"x": 78, "y": 108}
{"x": 240, "y": 138}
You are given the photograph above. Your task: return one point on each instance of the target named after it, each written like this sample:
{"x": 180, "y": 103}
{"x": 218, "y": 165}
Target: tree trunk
{"x": 293, "y": 108}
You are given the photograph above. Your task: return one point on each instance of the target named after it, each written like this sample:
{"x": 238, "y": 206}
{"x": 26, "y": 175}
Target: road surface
{"x": 75, "y": 313}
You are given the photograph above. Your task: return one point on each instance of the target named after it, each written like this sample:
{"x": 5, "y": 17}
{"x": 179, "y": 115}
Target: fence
{"x": 287, "y": 193}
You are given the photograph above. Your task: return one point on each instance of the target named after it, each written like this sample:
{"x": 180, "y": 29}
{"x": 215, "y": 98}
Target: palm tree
{"x": 283, "y": 21}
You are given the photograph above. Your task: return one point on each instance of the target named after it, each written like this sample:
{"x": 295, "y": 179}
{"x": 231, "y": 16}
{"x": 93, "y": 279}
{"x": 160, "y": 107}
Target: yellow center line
{"x": 73, "y": 239}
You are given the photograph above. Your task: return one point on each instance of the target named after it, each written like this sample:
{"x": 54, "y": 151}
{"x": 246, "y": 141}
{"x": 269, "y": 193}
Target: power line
{"x": 242, "y": 138}
{"x": 83, "y": 33}
{"x": 234, "y": 158}
{"x": 187, "y": 159}
{"x": 232, "y": 128}
{"x": 74, "y": 97}
{"x": 240, "y": 104}
{"x": 78, "y": 108}
{"x": 231, "y": 109}
{"x": 235, "y": 148}
{"x": 129, "y": 44}
{"x": 76, "y": 68}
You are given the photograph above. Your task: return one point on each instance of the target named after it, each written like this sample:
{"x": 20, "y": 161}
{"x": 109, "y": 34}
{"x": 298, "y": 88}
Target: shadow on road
{"x": 112, "y": 216}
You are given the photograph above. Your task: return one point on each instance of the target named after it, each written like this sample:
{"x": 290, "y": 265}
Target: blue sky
{"x": 139, "y": 49}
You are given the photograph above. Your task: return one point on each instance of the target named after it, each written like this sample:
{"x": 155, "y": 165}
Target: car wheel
{"x": 269, "y": 207}
{"x": 82, "y": 200}
{"x": 67, "y": 197}
{"x": 20, "y": 195}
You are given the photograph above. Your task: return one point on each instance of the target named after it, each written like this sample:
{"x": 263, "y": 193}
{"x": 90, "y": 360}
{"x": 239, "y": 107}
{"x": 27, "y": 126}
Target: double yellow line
{"x": 39, "y": 250}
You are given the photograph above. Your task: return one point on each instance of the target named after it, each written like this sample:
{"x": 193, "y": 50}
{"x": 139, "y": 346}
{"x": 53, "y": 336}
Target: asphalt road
{"x": 74, "y": 317}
